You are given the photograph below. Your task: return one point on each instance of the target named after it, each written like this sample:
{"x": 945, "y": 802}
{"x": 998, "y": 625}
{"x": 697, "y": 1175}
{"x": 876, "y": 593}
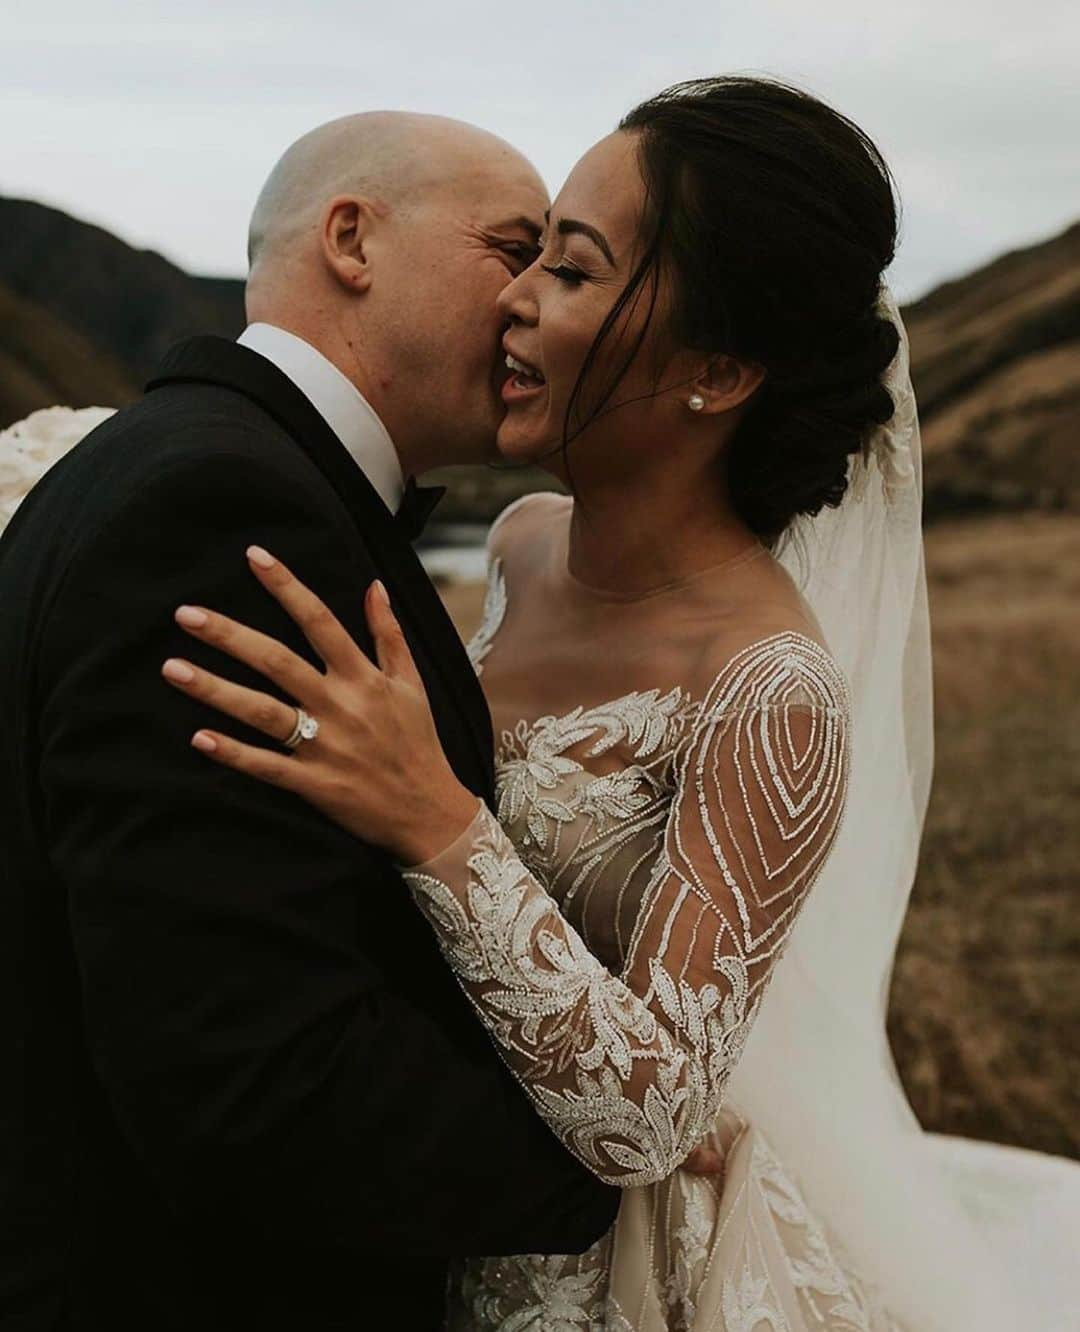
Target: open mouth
{"x": 525, "y": 376}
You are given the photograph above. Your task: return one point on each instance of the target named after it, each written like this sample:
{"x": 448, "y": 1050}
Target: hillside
{"x": 44, "y": 360}
{"x": 996, "y": 365}
{"x": 128, "y": 306}
{"x": 986, "y": 992}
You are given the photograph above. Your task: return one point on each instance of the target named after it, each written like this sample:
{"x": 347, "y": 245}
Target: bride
{"x": 709, "y": 671}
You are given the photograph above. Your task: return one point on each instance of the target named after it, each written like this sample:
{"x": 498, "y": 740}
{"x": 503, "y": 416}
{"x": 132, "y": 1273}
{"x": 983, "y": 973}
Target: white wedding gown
{"x": 671, "y": 772}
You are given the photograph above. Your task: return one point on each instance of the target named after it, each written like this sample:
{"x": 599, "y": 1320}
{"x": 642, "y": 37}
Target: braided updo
{"x": 775, "y": 218}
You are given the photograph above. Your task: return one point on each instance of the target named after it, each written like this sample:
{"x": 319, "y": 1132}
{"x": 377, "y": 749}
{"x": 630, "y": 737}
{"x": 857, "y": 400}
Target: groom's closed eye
{"x": 519, "y": 254}
{"x": 515, "y": 240}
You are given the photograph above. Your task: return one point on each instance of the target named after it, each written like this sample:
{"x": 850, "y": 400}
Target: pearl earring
{"x": 695, "y": 402}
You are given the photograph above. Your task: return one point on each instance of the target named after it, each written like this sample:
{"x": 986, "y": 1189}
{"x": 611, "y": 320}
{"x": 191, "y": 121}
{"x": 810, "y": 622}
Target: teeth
{"x": 523, "y": 369}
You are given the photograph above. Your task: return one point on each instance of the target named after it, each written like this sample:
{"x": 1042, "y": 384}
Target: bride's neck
{"x": 630, "y": 540}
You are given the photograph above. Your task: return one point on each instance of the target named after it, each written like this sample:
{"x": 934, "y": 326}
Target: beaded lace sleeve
{"x": 630, "y": 1070}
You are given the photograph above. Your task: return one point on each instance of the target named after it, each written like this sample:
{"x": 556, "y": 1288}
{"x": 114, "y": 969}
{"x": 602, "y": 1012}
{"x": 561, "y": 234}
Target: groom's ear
{"x": 347, "y": 224}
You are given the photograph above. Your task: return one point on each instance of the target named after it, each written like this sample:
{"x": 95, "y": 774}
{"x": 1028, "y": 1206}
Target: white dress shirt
{"x": 338, "y": 401}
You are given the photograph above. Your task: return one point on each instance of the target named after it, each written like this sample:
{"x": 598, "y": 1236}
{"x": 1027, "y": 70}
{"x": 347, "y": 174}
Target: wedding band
{"x": 306, "y": 728}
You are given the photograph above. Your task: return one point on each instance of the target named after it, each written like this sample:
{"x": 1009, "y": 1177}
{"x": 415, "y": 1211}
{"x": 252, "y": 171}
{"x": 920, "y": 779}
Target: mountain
{"x": 996, "y": 366}
{"x": 995, "y": 356}
{"x": 107, "y": 312}
{"x": 44, "y": 360}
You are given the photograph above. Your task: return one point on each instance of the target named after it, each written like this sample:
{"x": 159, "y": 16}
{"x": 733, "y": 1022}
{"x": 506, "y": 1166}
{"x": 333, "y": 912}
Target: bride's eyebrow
{"x": 569, "y": 226}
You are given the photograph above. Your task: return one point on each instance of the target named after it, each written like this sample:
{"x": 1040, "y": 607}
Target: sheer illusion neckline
{"x": 561, "y": 568}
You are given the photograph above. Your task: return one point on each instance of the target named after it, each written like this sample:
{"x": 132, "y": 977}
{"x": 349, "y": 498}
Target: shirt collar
{"x": 340, "y": 403}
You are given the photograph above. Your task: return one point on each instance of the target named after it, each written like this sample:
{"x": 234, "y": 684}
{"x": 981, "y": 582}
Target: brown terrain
{"x": 985, "y": 1008}
{"x": 985, "y": 1003}
{"x": 996, "y": 362}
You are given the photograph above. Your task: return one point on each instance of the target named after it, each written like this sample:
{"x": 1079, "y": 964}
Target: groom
{"x": 242, "y": 1088}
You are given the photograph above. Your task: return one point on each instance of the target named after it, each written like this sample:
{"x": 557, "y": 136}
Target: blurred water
{"x": 454, "y": 552}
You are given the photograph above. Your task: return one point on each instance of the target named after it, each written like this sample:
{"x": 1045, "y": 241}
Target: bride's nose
{"x": 516, "y": 303}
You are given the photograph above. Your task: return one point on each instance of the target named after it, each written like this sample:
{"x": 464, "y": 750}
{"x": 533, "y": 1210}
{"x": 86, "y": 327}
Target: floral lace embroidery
{"x": 569, "y": 1293}
{"x": 532, "y": 765}
{"x": 630, "y": 1074}
{"x": 832, "y": 1294}
{"x": 745, "y": 1306}
{"x": 491, "y": 622}
{"x": 691, "y": 1245}
{"x": 627, "y": 1062}
{"x": 535, "y": 1292}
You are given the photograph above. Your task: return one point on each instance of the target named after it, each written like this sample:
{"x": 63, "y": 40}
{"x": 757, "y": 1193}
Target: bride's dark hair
{"x": 775, "y": 217}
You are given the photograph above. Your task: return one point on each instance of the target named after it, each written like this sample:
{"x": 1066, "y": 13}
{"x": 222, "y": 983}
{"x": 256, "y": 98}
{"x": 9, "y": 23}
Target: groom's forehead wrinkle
{"x": 530, "y": 225}
{"x": 519, "y": 225}
{"x": 499, "y": 232}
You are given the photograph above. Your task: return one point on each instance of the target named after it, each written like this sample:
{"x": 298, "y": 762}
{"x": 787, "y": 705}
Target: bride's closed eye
{"x": 573, "y": 277}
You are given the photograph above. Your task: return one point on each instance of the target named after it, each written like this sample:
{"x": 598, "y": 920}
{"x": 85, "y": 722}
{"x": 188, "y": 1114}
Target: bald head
{"x": 394, "y": 158}
{"x": 384, "y": 241}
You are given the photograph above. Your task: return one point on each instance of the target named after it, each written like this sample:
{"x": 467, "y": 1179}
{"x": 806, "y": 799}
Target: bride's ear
{"x": 724, "y": 384}
{"x": 347, "y": 224}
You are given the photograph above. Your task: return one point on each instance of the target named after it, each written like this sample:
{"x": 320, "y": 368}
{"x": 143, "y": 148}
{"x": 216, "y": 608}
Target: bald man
{"x": 243, "y": 1090}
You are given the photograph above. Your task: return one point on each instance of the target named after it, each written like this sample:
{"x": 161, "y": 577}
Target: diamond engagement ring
{"x": 306, "y": 728}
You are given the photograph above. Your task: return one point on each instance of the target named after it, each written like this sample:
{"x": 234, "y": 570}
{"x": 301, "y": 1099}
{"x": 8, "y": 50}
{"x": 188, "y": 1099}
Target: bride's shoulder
{"x": 783, "y": 664}
{"x": 526, "y": 522}
{"x": 763, "y": 644}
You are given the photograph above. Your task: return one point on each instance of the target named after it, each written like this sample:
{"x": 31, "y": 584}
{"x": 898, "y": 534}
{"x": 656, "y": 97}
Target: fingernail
{"x": 191, "y": 617}
{"x": 207, "y": 743}
{"x": 261, "y": 557}
{"x": 179, "y": 671}
{"x": 381, "y": 592}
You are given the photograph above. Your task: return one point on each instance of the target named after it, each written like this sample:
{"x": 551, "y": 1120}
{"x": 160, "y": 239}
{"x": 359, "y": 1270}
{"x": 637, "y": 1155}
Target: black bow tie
{"x": 417, "y": 505}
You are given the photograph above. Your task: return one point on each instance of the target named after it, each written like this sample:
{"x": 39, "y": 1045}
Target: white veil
{"x": 817, "y": 1076}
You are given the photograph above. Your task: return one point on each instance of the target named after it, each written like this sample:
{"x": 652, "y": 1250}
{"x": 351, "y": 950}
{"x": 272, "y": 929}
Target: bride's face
{"x": 591, "y": 248}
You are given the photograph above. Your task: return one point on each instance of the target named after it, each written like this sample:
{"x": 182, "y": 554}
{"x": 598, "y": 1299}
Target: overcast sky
{"x": 160, "y": 121}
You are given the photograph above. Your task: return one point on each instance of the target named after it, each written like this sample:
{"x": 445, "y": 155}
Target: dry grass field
{"x": 985, "y": 1006}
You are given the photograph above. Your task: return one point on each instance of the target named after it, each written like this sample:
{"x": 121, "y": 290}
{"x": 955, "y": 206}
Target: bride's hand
{"x": 704, "y": 1160}
{"x": 377, "y": 766}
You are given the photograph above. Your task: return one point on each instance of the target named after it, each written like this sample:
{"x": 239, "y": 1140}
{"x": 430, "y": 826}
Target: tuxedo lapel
{"x": 210, "y": 360}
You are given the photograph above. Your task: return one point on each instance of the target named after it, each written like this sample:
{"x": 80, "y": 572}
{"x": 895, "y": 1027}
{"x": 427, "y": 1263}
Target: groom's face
{"x": 461, "y": 245}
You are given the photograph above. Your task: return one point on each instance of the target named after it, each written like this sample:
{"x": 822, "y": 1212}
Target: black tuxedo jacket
{"x": 243, "y": 1090}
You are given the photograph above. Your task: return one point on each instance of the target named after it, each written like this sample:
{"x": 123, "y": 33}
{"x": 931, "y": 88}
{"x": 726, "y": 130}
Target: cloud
{"x": 162, "y": 125}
